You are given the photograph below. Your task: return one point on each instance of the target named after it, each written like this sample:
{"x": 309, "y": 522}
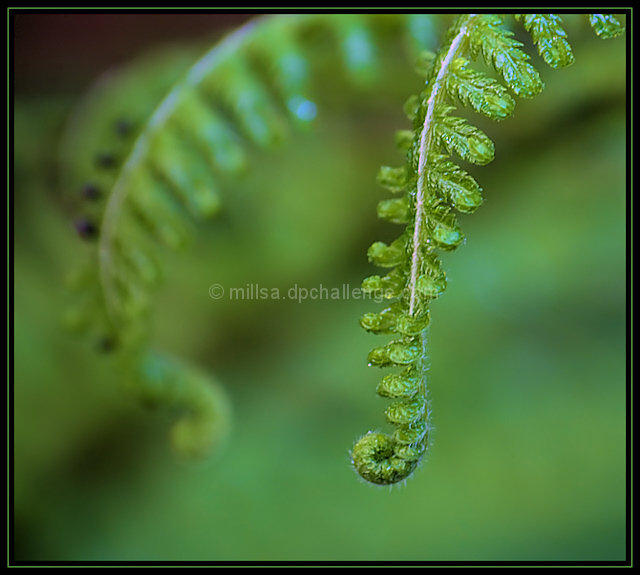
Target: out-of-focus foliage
{"x": 527, "y": 353}
{"x": 155, "y": 143}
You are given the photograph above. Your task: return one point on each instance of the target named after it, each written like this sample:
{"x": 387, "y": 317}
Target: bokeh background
{"x": 528, "y": 345}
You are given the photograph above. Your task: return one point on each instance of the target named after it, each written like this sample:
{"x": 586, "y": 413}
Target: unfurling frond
{"x": 433, "y": 188}
{"x": 151, "y": 149}
{"x": 203, "y": 423}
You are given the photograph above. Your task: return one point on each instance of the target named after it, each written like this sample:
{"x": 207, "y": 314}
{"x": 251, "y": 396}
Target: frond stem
{"x": 140, "y": 150}
{"x": 426, "y": 134}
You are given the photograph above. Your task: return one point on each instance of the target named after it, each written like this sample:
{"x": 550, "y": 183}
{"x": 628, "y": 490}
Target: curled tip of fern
{"x": 375, "y": 457}
{"x": 195, "y": 437}
{"x": 206, "y": 419}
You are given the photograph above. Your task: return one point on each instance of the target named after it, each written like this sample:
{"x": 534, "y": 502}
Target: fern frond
{"x": 433, "y": 189}
{"x": 153, "y": 149}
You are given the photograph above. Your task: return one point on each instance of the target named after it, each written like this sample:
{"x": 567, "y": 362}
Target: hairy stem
{"x": 426, "y": 135}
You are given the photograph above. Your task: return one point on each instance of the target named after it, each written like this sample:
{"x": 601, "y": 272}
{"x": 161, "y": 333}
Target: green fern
{"x": 433, "y": 188}
{"x": 154, "y": 147}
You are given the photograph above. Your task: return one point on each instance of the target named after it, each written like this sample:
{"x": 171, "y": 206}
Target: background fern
{"x": 515, "y": 440}
{"x": 238, "y": 93}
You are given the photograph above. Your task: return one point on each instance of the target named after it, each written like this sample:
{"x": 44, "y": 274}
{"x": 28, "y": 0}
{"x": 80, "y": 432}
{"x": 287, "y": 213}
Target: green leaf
{"x": 412, "y": 325}
{"x": 467, "y": 141}
{"x": 394, "y": 179}
{"x": 395, "y": 210}
{"x": 396, "y": 385}
{"x": 606, "y": 25}
{"x": 252, "y": 107}
{"x": 432, "y": 287}
{"x": 184, "y": 169}
{"x": 502, "y": 51}
{"x": 400, "y": 352}
{"x": 550, "y": 38}
{"x": 447, "y": 235}
{"x": 478, "y": 91}
{"x": 387, "y": 256}
{"x": 390, "y": 286}
{"x": 407, "y": 411}
{"x": 456, "y": 185}
{"x": 413, "y": 434}
{"x": 198, "y": 121}
{"x": 382, "y": 322}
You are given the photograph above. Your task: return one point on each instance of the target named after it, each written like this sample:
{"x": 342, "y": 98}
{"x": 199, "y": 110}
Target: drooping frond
{"x": 155, "y": 145}
{"x": 432, "y": 187}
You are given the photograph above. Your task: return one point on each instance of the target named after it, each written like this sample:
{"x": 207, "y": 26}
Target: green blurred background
{"x": 527, "y": 346}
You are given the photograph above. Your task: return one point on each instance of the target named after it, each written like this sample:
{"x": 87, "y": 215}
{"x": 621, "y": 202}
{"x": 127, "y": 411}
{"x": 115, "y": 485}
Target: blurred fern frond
{"x": 146, "y": 165}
